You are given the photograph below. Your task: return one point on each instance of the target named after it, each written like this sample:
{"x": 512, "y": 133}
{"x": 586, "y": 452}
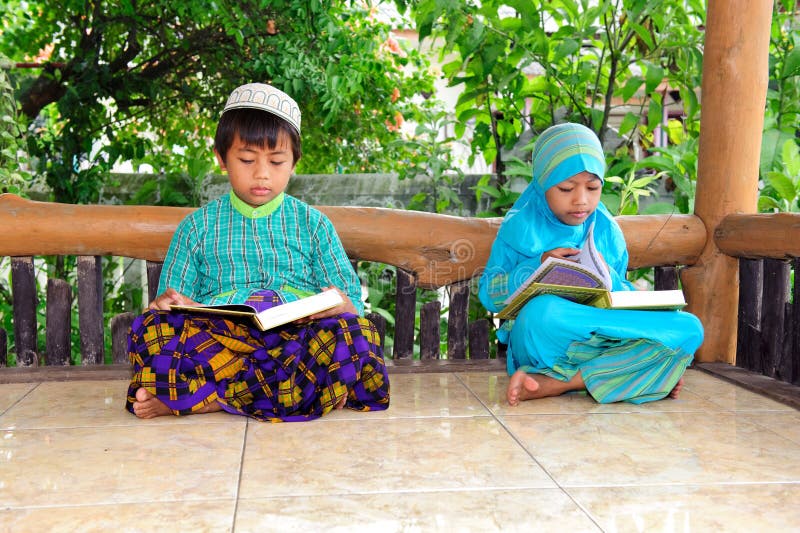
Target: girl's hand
{"x": 170, "y": 297}
{"x": 560, "y": 253}
{"x": 345, "y": 307}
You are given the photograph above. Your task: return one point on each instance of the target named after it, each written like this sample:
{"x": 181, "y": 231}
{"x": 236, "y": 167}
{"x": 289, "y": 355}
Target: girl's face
{"x": 575, "y": 198}
{"x": 258, "y": 175}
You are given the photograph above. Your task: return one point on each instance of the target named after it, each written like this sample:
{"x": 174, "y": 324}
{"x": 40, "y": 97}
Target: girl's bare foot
{"x": 148, "y": 406}
{"x": 524, "y": 386}
{"x": 677, "y": 389}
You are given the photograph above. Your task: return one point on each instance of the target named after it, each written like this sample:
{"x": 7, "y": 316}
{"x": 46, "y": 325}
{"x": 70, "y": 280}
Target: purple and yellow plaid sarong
{"x": 298, "y": 372}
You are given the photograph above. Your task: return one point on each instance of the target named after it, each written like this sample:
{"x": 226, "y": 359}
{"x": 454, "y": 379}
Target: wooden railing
{"x": 768, "y": 332}
{"x": 429, "y": 251}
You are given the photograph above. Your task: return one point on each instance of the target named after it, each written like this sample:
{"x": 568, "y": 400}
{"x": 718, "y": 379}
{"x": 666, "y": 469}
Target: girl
{"x": 555, "y": 345}
{"x": 263, "y": 247}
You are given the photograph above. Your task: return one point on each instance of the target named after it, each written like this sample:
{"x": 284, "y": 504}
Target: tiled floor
{"x": 448, "y": 455}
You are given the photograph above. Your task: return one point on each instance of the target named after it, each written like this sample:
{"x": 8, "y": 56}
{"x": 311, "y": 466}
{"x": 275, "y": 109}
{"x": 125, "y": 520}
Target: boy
{"x": 260, "y": 246}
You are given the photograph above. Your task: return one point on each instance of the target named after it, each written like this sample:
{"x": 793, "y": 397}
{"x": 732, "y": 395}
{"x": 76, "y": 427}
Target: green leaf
{"x": 782, "y": 185}
{"x": 772, "y": 142}
{"x": 631, "y": 86}
{"x": 767, "y": 204}
{"x": 628, "y": 123}
{"x": 488, "y": 190}
{"x": 644, "y": 34}
{"x": 654, "y": 115}
{"x": 790, "y": 156}
{"x": 791, "y": 65}
{"x": 658, "y": 162}
{"x": 653, "y": 77}
{"x": 690, "y": 104}
{"x": 565, "y": 48}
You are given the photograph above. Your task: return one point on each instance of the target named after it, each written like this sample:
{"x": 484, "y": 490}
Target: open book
{"x": 585, "y": 279}
{"x": 274, "y": 316}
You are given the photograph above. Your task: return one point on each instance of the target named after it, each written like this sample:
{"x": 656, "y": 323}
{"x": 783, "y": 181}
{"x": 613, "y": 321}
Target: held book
{"x": 585, "y": 279}
{"x": 274, "y": 316}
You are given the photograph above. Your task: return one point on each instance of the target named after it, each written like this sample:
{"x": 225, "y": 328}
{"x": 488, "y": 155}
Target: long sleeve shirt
{"x": 226, "y": 250}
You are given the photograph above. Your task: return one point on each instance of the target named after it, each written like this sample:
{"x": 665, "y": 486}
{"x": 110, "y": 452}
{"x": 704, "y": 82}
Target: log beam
{"x": 734, "y": 89}
{"x": 439, "y": 249}
{"x": 772, "y": 235}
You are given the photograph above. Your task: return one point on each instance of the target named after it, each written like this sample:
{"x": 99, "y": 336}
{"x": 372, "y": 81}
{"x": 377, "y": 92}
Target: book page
{"x": 274, "y": 316}
{"x": 667, "y": 299}
{"x": 563, "y": 272}
{"x": 590, "y": 257}
{"x": 222, "y": 309}
{"x": 291, "y": 311}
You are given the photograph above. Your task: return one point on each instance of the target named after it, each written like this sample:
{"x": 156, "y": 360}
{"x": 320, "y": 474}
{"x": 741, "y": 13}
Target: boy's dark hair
{"x": 255, "y": 128}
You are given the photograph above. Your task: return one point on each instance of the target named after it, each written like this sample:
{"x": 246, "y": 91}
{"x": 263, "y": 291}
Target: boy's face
{"x": 258, "y": 175}
{"x": 575, "y": 198}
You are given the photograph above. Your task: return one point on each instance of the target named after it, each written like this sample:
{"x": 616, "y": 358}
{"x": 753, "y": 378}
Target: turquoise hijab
{"x": 531, "y": 228}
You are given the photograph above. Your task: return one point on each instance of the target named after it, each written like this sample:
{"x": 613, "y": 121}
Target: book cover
{"x": 585, "y": 280}
{"x": 274, "y": 316}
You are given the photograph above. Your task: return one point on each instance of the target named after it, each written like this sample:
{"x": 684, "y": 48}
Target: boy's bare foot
{"x": 677, "y": 389}
{"x": 148, "y": 406}
{"x": 341, "y": 403}
{"x": 524, "y": 386}
{"x": 212, "y": 407}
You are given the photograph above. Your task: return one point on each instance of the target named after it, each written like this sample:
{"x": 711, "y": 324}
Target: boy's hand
{"x": 345, "y": 307}
{"x": 170, "y": 297}
{"x": 560, "y": 253}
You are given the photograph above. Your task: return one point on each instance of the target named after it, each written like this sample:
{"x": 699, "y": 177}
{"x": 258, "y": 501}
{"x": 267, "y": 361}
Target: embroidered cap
{"x": 266, "y": 98}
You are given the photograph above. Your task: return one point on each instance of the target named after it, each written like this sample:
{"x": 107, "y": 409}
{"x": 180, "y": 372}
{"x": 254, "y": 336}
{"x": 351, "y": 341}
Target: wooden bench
{"x": 429, "y": 251}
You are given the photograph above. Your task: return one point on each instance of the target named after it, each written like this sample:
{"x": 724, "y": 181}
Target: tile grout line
{"x": 239, "y": 478}
{"x": 530, "y": 454}
{"x": 13, "y": 404}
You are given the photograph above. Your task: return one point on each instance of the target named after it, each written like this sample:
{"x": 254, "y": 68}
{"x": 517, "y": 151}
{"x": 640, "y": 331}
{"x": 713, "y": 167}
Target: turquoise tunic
{"x": 622, "y": 355}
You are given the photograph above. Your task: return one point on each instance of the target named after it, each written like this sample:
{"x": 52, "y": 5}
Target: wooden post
{"x": 23, "y": 292}
{"x": 748, "y": 334}
{"x": 119, "y": 326}
{"x": 773, "y": 317}
{"x": 733, "y": 97}
{"x": 429, "y": 334}
{"x": 90, "y": 309}
{"x": 3, "y": 347}
{"x": 479, "y": 339}
{"x": 380, "y": 325}
{"x": 404, "y": 314}
{"x": 153, "y": 274}
{"x": 457, "y": 321}
{"x": 58, "y": 323}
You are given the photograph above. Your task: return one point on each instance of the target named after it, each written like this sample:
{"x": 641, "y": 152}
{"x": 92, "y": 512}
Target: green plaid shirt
{"x": 226, "y": 250}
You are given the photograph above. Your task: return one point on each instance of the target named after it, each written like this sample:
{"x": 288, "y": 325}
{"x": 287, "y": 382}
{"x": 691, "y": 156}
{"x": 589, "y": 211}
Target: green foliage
{"x": 630, "y": 189}
{"x": 783, "y": 186}
{"x": 588, "y": 58}
{"x": 779, "y": 166}
{"x": 14, "y": 177}
{"x": 145, "y": 82}
{"x": 431, "y": 154}
{"x": 678, "y": 163}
